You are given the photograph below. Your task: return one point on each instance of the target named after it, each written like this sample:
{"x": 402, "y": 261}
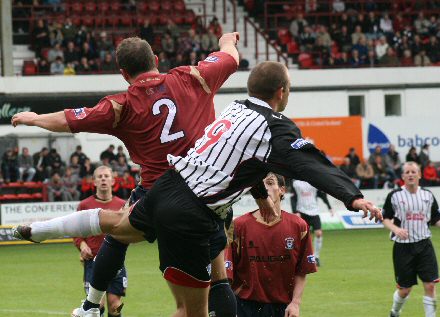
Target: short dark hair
{"x": 266, "y": 78}
{"x": 135, "y": 56}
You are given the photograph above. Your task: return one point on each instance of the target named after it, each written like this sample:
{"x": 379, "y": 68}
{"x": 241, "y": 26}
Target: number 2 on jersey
{"x": 215, "y": 133}
{"x": 165, "y": 136}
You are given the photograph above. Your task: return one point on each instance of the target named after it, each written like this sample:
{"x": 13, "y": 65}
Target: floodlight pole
{"x": 7, "y": 63}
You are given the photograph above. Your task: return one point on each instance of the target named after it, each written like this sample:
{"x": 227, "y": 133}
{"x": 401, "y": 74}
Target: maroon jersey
{"x": 91, "y": 202}
{"x": 263, "y": 260}
{"x": 160, "y": 113}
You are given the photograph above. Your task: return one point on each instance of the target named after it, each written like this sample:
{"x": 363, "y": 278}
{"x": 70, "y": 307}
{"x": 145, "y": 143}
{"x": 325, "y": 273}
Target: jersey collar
{"x": 259, "y": 102}
{"x": 148, "y": 76}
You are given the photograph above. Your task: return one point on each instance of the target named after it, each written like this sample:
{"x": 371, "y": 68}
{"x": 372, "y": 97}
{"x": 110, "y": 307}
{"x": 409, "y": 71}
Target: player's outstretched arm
{"x": 400, "y": 232}
{"x": 55, "y": 122}
{"x": 367, "y": 206}
{"x": 227, "y": 44}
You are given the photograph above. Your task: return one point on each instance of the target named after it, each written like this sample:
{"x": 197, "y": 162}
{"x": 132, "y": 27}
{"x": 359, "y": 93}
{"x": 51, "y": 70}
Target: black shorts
{"x": 217, "y": 241}
{"x": 414, "y": 259}
{"x": 249, "y": 308}
{"x": 182, "y": 224}
{"x": 116, "y": 286}
{"x": 314, "y": 222}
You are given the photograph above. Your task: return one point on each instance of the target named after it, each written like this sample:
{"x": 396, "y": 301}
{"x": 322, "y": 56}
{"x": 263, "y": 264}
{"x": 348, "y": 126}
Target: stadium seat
{"x": 190, "y": 17}
{"x": 115, "y": 6}
{"x": 126, "y": 19}
{"x": 141, "y": 6}
{"x": 88, "y": 20}
{"x": 178, "y": 19}
{"x": 284, "y": 36}
{"x": 90, "y": 6}
{"x": 166, "y": 5}
{"x": 76, "y": 7}
{"x": 24, "y": 196}
{"x": 99, "y": 20}
{"x": 76, "y": 20}
{"x": 103, "y": 7}
{"x": 29, "y": 68}
{"x": 154, "y": 6}
{"x": 112, "y": 20}
{"x": 179, "y": 6}
{"x": 37, "y": 195}
{"x": 292, "y": 48}
{"x": 163, "y": 18}
{"x": 305, "y": 60}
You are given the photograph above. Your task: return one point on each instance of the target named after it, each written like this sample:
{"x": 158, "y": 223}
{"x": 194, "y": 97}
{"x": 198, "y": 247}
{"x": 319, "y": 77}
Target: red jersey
{"x": 263, "y": 260}
{"x": 91, "y": 202}
{"x": 159, "y": 114}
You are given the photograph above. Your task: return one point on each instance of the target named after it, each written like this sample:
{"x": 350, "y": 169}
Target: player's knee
{"x": 429, "y": 289}
{"x": 115, "y": 307}
{"x": 404, "y": 292}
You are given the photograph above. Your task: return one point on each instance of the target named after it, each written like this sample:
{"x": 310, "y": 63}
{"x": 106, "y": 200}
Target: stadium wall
{"x": 315, "y": 94}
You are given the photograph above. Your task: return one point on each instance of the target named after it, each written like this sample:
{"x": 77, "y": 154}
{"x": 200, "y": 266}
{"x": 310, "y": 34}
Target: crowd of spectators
{"x": 66, "y": 181}
{"x": 383, "y": 169}
{"x": 63, "y": 47}
{"x": 365, "y": 34}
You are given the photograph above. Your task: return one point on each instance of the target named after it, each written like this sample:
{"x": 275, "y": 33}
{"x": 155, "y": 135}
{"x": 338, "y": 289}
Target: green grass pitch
{"x": 356, "y": 279}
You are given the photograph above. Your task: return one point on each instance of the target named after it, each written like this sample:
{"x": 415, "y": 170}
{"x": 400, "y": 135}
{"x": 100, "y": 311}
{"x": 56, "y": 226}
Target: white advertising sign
{"x": 25, "y": 213}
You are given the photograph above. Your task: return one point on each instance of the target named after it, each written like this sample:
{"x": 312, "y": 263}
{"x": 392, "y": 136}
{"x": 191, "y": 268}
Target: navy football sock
{"x": 102, "y": 311}
{"x": 87, "y": 305}
{"x": 108, "y": 262}
{"x": 222, "y": 301}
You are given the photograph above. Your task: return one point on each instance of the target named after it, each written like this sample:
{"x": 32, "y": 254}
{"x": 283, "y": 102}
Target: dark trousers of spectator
{"x": 10, "y": 172}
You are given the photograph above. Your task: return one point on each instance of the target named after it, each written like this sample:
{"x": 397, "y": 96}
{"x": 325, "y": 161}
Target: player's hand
{"x": 401, "y": 233}
{"x": 267, "y": 209}
{"x": 292, "y": 310}
{"x": 228, "y": 38}
{"x": 86, "y": 253}
{"x": 26, "y": 118}
{"x": 367, "y": 206}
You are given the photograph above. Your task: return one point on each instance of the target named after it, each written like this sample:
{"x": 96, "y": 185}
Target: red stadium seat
{"x": 141, "y": 6}
{"x": 29, "y": 68}
{"x": 179, "y": 6}
{"x": 90, "y": 6}
{"x": 99, "y": 20}
{"x": 166, "y": 5}
{"x": 126, "y": 19}
{"x": 103, "y": 7}
{"x": 284, "y": 36}
{"x": 24, "y": 196}
{"x": 178, "y": 19}
{"x": 115, "y": 6}
{"x": 88, "y": 20}
{"x": 76, "y": 20}
{"x": 154, "y": 6}
{"x": 76, "y": 7}
{"x": 305, "y": 60}
{"x": 292, "y": 48}
{"x": 163, "y": 18}
{"x": 37, "y": 195}
{"x": 190, "y": 17}
{"x": 112, "y": 20}
{"x": 118, "y": 39}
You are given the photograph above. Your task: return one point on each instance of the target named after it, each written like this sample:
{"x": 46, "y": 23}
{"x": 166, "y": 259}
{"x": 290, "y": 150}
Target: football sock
{"x": 317, "y": 243}
{"x": 222, "y": 301}
{"x": 94, "y": 298}
{"x": 398, "y": 302}
{"x": 78, "y": 224}
{"x": 108, "y": 262}
{"x": 430, "y": 306}
{"x": 102, "y": 311}
{"x": 110, "y": 315}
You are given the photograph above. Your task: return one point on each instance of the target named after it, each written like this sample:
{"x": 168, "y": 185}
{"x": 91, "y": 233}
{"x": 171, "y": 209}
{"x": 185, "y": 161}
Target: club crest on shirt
{"x": 289, "y": 243}
{"x": 311, "y": 259}
{"x": 299, "y": 143}
{"x": 79, "y": 113}
{"x": 228, "y": 265}
{"x": 211, "y": 59}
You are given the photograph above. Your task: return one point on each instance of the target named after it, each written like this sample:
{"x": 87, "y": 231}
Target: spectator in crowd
{"x": 407, "y": 59}
{"x": 357, "y": 35}
{"x": 381, "y": 47}
{"x": 365, "y": 174}
{"x": 433, "y": 49}
{"x": 343, "y": 39}
{"x": 108, "y": 154}
{"x": 389, "y": 59}
{"x": 373, "y": 25}
{"x": 108, "y": 65}
{"x": 81, "y": 156}
{"x": 354, "y": 158}
{"x": 421, "y": 24}
{"x": 172, "y": 29}
{"x": 412, "y": 156}
{"x": 178, "y": 61}
{"x": 40, "y": 37}
{"x": 394, "y": 160}
{"x": 56, "y": 191}
{"x": 120, "y": 166}
{"x": 362, "y": 48}
{"x": 69, "y": 30}
{"x": 371, "y": 60}
{"x": 57, "y": 66}
{"x": 43, "y": 66}
{"x": 88, "y": 52}
{"x": 193, "y": 60}
{"x": 69, "y": 70}
{"x": 56, "y": 33}
{"x": 377, "y": 152}
{"x": 146, "y": 31}
{"x": 71, "y": 55}
{"x": 323, "y": 35}
{"x": 168, "y": 45}
{"x": 216, "y": 27}
{"x": 70, "y": 182}
{"x": 164, "y": 64}
{"x": 307, "y": 39}
{"x": 350, "y": 170}
{"x": 74, "y": 166}
{"x": 338, "y": 6}
{"x": 380, "y": 172}
{"x": 424, "y": 156}
{"x": 386, "y": 25}
{"x": 42, "y": 164}
{"x": 83, "y": 67}
{"x": 355, "y": 60}
{"x": 120, "y": 152}
{"x": 298, "y": 25}
{"x": 55, "y": 52}
{"x": 25, "y": 165}
{"x": 104, "y": 45}
{"x": 9, "y": 166}
{"x": 55, "y": 162}
{"x": 430, "y": 175}
{"x": 421, "y": 59}
{"x": 87, "y": 168}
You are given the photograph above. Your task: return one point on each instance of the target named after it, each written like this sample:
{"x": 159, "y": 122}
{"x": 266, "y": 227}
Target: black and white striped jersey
{"x": 247, "y": 141}
{"x": 306, "y": 198}
{"x": 412, "y": 211}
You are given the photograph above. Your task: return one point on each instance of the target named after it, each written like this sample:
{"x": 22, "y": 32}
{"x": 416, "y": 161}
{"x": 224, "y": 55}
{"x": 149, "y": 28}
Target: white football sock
{"x": 317, "y": 243}
{"x": 398, "y": 303}
{"x": 84, "y": 223}
{"x": 430, "y": 306}
{"x": 94, "y": 296}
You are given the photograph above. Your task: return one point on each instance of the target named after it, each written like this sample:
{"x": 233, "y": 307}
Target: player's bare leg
{"x": 429, "y": 300}
{"x": 114, "y": 304}
{"x": 400, "y": 297}
{"x": 81, "y": 224}
{"x": 191, "y": 302}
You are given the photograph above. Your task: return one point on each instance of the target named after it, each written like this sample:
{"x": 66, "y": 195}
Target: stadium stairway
{"x": 21, "y": 53}
{"x": 247, "y": 52}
